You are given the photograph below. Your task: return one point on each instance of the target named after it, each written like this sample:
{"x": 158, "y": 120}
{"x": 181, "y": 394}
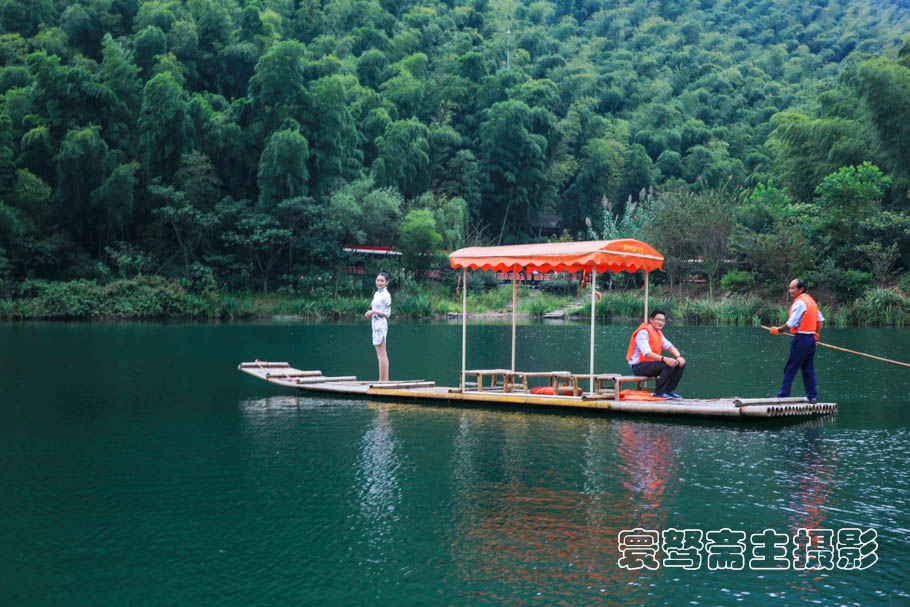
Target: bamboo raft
{"x": 282, "y": 374}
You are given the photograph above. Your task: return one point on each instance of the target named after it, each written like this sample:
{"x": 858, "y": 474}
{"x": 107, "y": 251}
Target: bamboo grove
{"x": 240, "y": 145}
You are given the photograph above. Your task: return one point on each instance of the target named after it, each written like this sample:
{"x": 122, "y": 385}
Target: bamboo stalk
{"x": 261, "y": 364}
{"x": 884, "y": 360}
{"x": 464, "y": 322}
{"x": 295, "y": 373}
{"x": 514, "y": 309}
{"x": 646, "y": 296}
{"x": 323, "y": 380}
{"x": 593, "y": 293}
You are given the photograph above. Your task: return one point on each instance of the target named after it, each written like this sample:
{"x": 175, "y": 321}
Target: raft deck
{"x": 282, "y": 374}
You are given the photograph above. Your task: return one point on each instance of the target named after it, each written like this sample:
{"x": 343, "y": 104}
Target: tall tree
{"x": 885, "y": 87}
{"x": 163, "y": 132}
{"x": 262, "y": 238}
{"x": 368, "y": 214}
{"x": 121, "y": 76}
{"x": 418, "y": 238}
{"x": 198, "y": 179}
{"x": 115, "y": 199}
{"x": 80, "y": 164}
{"x": 277, "y": 88}
{"x": 708, "y": 219}
{"x": 403, "y": 157}
{"x": 845, "y": 199}
{"x": 282, "y": 168}
{"x": 331, "y": 130}
{"x": 187, "y": 223}
{"x": 513, "y": 161}
{"x": 599, "y": 175}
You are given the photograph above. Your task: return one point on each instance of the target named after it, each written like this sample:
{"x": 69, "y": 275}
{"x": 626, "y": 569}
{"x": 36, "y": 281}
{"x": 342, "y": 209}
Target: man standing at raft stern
{"x": 805, "y": 322}
{"x": 645, "y": 358}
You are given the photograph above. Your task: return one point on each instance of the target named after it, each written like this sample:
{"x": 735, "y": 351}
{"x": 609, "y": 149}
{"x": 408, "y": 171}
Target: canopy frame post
{"x": 464, "y": 323}
{"x": 514, "y": 309}
{"x": 646, "y": 296}
{"x": 593, "y": 294}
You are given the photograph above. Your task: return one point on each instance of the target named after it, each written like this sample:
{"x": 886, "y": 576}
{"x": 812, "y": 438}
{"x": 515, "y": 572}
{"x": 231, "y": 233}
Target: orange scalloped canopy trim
{"x": 624, "y": 255}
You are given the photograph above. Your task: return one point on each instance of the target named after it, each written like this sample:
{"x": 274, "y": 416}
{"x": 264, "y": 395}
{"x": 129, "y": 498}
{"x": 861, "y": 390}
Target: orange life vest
{"x": 655, "y": 341}
{"x": 562, "y": 391}
{"x": 638, "y": 395}
{"x": 809, "y": 322}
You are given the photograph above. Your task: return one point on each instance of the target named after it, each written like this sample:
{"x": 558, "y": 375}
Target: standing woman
{"x": 379, "y": 311}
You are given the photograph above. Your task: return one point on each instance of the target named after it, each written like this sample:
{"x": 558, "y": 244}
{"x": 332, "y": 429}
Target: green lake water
{"x": 139, "y": 467}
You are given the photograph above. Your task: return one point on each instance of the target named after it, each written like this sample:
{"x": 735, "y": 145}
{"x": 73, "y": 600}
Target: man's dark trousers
{"x": 802, "y": 357}
{"x": 667, "y": 377}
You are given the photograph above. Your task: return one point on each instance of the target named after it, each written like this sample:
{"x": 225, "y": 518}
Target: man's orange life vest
{"x": 655, "y": 341}
{"x": 809, "y": 322}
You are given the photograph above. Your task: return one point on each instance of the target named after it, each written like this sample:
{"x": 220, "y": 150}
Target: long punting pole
{"x": 464, "y": 322}
{"x": 514, "y": 310}
{"x": 593, "y": 293}
{"x": 646, "y": 296}
{"x": 884, "y": 360}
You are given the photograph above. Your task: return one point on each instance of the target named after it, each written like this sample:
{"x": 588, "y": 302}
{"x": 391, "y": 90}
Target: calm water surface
{"x": 139, "y": 467}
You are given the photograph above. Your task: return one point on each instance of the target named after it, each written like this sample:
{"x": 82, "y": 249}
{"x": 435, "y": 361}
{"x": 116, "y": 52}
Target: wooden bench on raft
{"x": 506, "y": 380}
{"x": 610, "y": 384}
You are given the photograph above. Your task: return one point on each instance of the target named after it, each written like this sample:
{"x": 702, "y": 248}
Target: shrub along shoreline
{"x": 158, "y": 298}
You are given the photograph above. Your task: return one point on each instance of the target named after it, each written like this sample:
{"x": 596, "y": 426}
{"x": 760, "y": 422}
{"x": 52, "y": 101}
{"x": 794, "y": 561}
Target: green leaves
{"x": 403, "y": 157}
{"x": 418, "y": 238}
{"x": 33, "y": 197}
{"x": 368, "y": 214}
{"x": 450, "y": 216}
{"x": 80, "y": 168}
{"x": 846, "y": 198}
{"x": 513, "y": 161}
{"x": 330, "y": 128}
{"x": 115, "y": 197}
{"x": 884, "y": 86}
{"x": 359, "y": 112}
{"x": 261, "y": 236}
{"x": 599, "y": 175}
{"x": 282, "y": 168}
{"x": 121, "y": 76}
{"x": 708, "y": 222}
{"x": 852, "y": 193}
{"x": 188, "y": 224}
{"x": 276, "y": 89}
{"x": 163, "y": 135}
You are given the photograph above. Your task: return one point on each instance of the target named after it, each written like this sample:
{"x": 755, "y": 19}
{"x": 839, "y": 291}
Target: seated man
{"x": 645, "y": 358}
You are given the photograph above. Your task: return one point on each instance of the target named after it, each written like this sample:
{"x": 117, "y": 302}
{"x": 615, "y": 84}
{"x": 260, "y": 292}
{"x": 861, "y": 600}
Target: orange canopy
{"x": 615, "y": 255}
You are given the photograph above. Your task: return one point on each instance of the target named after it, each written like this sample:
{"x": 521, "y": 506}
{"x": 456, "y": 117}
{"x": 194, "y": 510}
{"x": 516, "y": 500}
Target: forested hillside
{"x": 237, "y": 143}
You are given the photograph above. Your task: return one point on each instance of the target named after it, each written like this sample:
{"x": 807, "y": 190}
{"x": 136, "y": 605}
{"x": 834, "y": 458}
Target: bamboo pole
{"x": 323, "y": 379}
{"x": 514, "y": 310}
{"x": 464, "y": 323}
{"x": 262, "y": 365}
{"x": 884, "y": 360}
{"x": 295, "y": 373}
{"x": 593, "y": 293}
{"x": 646, "y": 296}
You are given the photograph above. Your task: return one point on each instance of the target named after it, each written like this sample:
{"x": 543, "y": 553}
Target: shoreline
{"x": 157, "y": 299}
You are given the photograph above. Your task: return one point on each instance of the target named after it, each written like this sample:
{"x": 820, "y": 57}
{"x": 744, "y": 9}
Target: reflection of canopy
{"x": 616, "y": 255}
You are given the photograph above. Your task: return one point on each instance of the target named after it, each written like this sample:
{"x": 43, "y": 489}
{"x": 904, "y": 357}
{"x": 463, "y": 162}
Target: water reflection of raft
{"x": 282, "y": 374}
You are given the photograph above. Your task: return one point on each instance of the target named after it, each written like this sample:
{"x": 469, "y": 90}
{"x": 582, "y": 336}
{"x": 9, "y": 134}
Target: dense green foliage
{"x": 155, "y": 298}
{"x": 236, "y": 145}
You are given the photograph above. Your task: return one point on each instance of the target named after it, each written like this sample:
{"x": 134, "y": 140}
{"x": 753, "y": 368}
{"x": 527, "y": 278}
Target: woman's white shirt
{"x": 382, "y": 303}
